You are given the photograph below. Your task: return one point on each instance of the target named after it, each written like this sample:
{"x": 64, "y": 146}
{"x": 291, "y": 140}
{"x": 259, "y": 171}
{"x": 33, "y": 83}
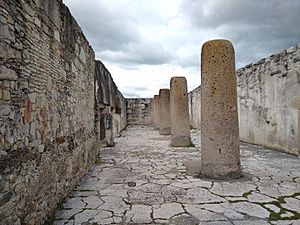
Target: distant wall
{"x": 138, "y": 111}
{"x": 264, "y": 92}
{"x": 48, "y": 139}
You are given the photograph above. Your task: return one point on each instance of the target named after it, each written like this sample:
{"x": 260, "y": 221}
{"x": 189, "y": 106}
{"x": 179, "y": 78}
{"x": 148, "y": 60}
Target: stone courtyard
{"x": 59, "y": 107}
{"x": 142, "y": 180}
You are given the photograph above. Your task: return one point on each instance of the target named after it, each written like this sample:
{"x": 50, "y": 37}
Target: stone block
{"x": 6, "y": 34}
{"x": 7, "y": 74}
{"x": 295, "y": 102}
{"x": 57, "y": 35}
{"x": 32, "y": 129}
{"x": 6, "y": 95}
{"x": 5, "y": 109}
{"x": 82, "y": 55}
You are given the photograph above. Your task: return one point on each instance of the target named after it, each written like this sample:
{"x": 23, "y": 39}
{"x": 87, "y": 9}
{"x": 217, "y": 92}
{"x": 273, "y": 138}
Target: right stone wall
{"x": 265, "y": 89}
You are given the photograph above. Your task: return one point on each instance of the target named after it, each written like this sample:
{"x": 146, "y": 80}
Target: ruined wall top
{"x": 273, "y": 59}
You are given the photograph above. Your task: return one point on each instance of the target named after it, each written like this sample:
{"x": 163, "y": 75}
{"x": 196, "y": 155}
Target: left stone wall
{"x": 47, "y": 108}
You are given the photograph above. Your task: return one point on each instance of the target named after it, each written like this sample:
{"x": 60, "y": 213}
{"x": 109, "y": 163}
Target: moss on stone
{"x": 246, "y": 194}
{"x": 192, "y": 145}
{"x": 236, "y": 201}
{"x": 51, "y": 218}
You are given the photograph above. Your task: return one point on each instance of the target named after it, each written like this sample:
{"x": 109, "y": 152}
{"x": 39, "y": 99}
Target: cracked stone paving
{"x": 142, "y": 180}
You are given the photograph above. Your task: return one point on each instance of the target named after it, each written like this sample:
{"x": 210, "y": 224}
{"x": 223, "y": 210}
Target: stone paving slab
{"x": 142, "y": 180}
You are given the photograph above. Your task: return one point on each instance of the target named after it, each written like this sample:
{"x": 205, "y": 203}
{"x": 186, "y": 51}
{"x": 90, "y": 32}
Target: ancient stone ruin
{"x": 74, "y": 150}
{"x": 179, "y": 112}
{"x": 220, "y": 149}
{"x": 164, "y": 114}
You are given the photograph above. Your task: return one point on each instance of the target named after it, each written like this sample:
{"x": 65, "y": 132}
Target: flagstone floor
{"x": 142, "y": 180}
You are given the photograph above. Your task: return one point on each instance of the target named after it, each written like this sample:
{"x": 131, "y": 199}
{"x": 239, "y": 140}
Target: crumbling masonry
{"x": 59, "y": 106}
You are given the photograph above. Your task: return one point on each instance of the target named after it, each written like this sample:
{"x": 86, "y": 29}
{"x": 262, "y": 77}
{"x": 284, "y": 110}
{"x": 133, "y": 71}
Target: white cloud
{"x": 144, "y": 43}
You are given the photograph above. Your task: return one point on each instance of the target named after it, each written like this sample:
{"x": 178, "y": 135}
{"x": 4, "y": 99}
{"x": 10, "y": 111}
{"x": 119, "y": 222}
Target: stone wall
{"x": 109, "y": 101}
{"x": 138, "y": 111}
{"x": 48, "y": 110}
{"x": 265, "y": 88}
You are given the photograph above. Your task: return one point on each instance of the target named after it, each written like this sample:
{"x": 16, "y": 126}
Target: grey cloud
{"x": 257, "y": 28}
{"x": 134, "y": 92}
{"x": 115, "y": 35}
{"x": 129, "y": 94}
{"x": 138, "y": 53}
{"x": 104, "y": 28}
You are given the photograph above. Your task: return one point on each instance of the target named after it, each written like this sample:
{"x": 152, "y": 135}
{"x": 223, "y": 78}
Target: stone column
{"x": 179, "y": 110}
{"x": 220, "y": 151}
{"x": 151, "y": 111}
{"x": 164, "y": 116}
{"x": 156, "y": 111}
{"x": 295, "y": 103}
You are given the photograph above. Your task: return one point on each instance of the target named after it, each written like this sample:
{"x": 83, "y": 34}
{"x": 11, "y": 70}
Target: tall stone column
{"x": 220, "y": 151}
{"x": 179, "y": 110}
{"x": 151, "y": 111}
{"x": 156, "y": 111}
{"x": 164, "y": 118}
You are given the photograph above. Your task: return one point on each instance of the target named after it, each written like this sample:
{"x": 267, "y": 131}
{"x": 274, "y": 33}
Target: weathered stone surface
{"x": 50, "y": 112}
{"x": 92, "y": 202}
{"x": 250, "y": 209}
{"x": 253, "y": 222}
{"x": 220, "y": 153}
{"x": 142, "y": 157}
{"x": 166, "y": 211}
{"x": 295, "y": 102}
{"x": 66, "y": 214}
{"x": 114, "y": 204}
{"x": 200, "y": 195}
{"x": 180, "y": 128}
{"x": 74, "y": 203}
{"x": 156, "y": 111}
{"x": 184, "y": 220}
{"x": 138, "y": 111}
{"x": 103, "y": 217}
{"x": 225, "y": 209}
{"x": 203, "y": 215}
{"x": 292, "y": 204}
{"x": 273, "y": 208}
{"x": 164, "y": 115}
{"x": 151, "y": 111}
{"x": 265, "y": 118}
{"x": 232, "y": 189}
{"x": 84, "y": 216}
{"x": 140, "y": 214}
{"x": 257, "y": 197}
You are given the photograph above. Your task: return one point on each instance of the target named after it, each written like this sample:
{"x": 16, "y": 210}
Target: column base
{"x": 165, "y": 131}
{"x": 181, "y": 141}
{"x": 220, "y": 172}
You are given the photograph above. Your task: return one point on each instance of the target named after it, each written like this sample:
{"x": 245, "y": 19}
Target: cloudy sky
{"x": 143, "y": 43}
